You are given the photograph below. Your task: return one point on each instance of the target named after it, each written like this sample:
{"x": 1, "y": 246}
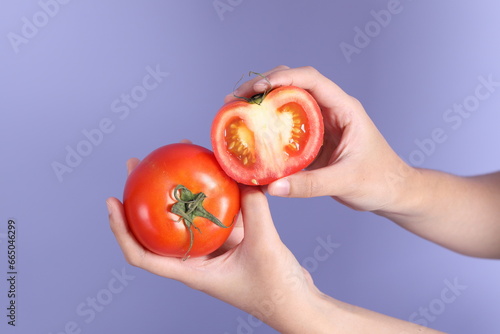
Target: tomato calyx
{"x": 188, "y": 207}
{"x": 257, "y": 98}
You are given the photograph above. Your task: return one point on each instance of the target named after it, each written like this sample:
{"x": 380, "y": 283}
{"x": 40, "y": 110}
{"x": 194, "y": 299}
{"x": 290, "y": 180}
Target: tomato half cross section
{"x": 179, "y": 202}
{"x": 269, "y": 136}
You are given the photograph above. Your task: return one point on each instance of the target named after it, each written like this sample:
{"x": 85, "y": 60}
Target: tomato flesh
{"x": 240, "y": 142}
{"x": 257, "y": 144}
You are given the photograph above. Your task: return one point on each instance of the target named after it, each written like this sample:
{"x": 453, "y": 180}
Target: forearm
{"x": 459, "y": 213}
{"x": 327, "y": 315}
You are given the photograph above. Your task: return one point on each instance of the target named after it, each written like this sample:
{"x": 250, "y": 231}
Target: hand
{"x": 356, "y": 165}
{"x": 253, "y": 270}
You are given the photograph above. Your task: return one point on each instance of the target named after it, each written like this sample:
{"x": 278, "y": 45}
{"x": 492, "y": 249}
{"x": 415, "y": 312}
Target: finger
{"x": 131, "y": 164}
{"x": 246, "y": 89}
{"x": 132, "y": 250}
{"x": 137, "y": 255}
{"x": 330, "y": 149}
{"x": 326, "y": 92}
{"x": 235, "y": 237}
{"x": 314, "y": 183}
{"x": 257, "y": 219}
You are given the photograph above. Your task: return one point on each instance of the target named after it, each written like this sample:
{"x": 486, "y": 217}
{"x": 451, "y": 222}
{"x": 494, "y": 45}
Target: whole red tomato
{"x": 268, "y": 136}
{"x": 179, "y": 202}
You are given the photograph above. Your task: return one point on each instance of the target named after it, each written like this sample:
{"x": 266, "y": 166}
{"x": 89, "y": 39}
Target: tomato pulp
{"x": 162, "y": 200}
{"x": 269, "y": 136}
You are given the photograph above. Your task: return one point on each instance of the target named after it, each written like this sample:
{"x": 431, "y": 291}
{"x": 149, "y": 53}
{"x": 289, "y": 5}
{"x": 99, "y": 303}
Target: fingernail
{"x": 261, "y": 85}
{"x": 236, "y": 92}
{"x": 279, "y": 188}
{"x": 108, "y": 205}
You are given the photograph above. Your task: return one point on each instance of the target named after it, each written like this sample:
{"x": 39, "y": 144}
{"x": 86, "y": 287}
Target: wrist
{"x": 296, "y": 308}
{"x": 316, "y": 314}
{"x": 405, "y": 184}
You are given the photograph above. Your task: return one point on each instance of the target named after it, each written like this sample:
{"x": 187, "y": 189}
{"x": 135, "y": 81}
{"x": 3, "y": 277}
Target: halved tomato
{"x": 269, "y": 136}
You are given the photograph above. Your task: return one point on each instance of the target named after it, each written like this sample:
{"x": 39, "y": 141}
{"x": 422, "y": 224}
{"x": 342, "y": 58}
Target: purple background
{"x": 65, "y": 77}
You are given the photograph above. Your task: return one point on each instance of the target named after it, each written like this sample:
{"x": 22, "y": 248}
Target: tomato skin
{"x": 257, "y": 144}
{"x": 149, "y": 196}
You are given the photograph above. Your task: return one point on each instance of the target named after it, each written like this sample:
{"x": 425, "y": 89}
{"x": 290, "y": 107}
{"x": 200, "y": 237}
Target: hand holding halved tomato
{"x": 271, "y": 135}
{"x": 179, "y": 202}
{"x": 356, "y": 165}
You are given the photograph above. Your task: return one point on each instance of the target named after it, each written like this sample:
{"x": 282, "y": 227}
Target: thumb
{"x": 256, "y": 215}
{"x": 312, "y": 183}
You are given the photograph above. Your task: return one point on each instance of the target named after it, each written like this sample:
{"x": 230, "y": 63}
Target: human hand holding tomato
{"x": 253, "y": 270}
{"x": 356, "y": 166}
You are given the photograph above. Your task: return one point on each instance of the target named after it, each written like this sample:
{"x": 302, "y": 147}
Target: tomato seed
{"x": 237, "y": 135}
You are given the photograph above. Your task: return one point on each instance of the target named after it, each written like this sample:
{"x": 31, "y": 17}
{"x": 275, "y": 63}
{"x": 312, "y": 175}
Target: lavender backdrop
{"x": 67, "y": 68}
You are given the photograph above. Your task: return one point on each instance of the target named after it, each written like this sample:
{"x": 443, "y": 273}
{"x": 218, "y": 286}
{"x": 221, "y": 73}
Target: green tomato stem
{"x": 257, "y": 98}
{"x": 188, "y": 207}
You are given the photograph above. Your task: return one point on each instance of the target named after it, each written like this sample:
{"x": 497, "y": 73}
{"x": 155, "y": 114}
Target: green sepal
{"x": 188, "y": 207}
{"x": 257, "y": 98}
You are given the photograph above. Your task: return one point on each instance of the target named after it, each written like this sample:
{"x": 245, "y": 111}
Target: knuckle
{"x": 310, "y": 186}
{"x": 281, "y": 67}
{"x": 132, "y": 260}
{"x": 135, "y": 260}
{"x": 312, "y": 70}
{"x": 309, "y": 68}
{"x": 355, "y": 102}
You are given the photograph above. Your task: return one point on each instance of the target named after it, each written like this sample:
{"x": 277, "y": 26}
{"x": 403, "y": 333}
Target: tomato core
{"x": 288, "y": 124}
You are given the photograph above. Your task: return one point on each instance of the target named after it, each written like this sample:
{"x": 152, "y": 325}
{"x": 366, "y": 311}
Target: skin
{"x": 359, "y": 169}
{"x": 256, "y": 272}
{"x": 239, "y": 273}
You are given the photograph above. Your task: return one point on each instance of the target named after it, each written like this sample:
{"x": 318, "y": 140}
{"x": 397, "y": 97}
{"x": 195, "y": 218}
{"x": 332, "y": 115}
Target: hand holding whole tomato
{"x": 251, "y": 271}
